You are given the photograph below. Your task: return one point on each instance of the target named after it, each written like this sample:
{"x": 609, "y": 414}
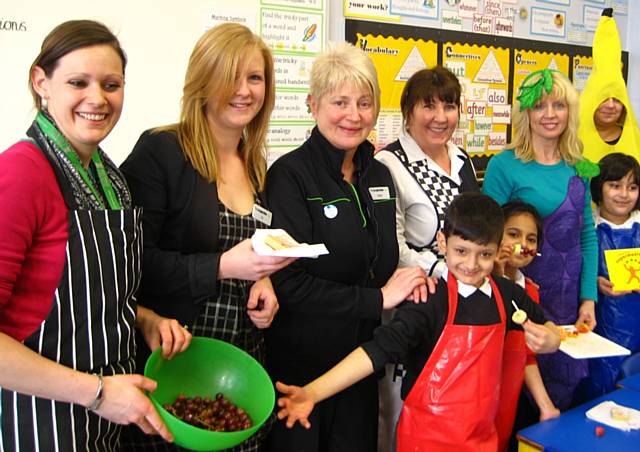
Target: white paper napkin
{"x": 602, "y": 413}
{"x": 301, "y": 250}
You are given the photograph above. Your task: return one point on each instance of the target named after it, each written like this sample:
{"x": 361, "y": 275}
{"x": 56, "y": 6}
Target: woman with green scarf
{"x": 70, "y": 244}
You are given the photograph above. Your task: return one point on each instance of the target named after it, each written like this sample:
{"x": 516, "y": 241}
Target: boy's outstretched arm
{"x": 541, "y": 338}
{"x": 297, "y": 403}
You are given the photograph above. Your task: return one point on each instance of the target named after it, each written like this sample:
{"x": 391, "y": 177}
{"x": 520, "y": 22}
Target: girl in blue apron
{"x": 615, "y": 191}
{"x": 70, "y": 246}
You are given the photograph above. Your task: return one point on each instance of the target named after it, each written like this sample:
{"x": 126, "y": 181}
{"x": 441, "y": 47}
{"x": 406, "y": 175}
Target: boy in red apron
{"x": 451, "y": 346}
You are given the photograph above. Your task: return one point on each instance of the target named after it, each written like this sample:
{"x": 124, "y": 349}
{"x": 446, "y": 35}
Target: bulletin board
{"x": 561, "y": 21}
{"x": 396, "y": 59}
{"x": 489, "y": 69}
{"x": 483, "y": 74}
{"x": 158, "y": 37}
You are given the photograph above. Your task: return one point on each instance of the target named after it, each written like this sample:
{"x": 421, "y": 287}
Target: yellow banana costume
{"x": 604, "y": 82}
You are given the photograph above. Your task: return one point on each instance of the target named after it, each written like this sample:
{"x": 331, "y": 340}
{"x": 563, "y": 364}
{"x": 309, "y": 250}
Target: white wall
{"x": 157, "y": 35}
{"x": 158, "y": 44}
{"x": 633, "y": 46}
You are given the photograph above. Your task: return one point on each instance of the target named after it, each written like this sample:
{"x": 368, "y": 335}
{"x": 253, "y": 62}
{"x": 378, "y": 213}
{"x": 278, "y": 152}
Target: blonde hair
{"x": 213, "y": 67}
{"x": 343, "y": 63}
{"x": 569, "y": 145}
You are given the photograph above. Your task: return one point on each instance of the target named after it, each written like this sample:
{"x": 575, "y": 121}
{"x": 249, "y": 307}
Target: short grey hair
{"x": 343, "y": 63}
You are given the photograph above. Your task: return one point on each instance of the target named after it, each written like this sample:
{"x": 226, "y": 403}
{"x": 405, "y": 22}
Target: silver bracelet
{"x": 98, "y": 398}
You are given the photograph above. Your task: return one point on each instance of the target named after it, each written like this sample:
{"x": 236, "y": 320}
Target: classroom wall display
{"x": 582, "y": 67}
{"x": 369, "y": 9}
{"x": 558, "y": 21}
{"x": 296, "y": 36}
{"x": 158, "y": 36}
{"x": 489, "y": 68}
{"x": 483, "y": 72}
{"x": 396, "y": 60}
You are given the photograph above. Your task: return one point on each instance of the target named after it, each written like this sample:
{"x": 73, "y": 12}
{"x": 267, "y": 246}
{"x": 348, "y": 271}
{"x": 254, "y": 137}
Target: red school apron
{"x": 514, "y": 360}
{"x": 452, "y": 405}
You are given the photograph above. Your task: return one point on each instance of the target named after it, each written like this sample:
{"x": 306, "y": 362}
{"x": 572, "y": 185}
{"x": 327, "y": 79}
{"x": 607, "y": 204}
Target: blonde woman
{"x": 543, "y": 166}
{"x": 331, "y": 190}
{"x": 199, "y": 183}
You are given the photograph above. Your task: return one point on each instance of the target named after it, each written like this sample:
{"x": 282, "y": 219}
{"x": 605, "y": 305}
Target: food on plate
{"x": 215, "y": 414}
{"x": 279, "y": 242}
{"x": 519, "y": 316}
{"x": 565, "y": 334}
{"x": 573, "y": 332}
{"x": 583, "y": 328}
{"x": 619, "y": 413}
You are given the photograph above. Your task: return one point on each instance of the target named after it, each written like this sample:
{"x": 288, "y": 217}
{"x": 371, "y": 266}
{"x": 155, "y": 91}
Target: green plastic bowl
{"x": 207, "y": 367}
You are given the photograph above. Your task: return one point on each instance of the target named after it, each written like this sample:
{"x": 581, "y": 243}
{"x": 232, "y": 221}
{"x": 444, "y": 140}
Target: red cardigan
{"x": 33, "y": 238}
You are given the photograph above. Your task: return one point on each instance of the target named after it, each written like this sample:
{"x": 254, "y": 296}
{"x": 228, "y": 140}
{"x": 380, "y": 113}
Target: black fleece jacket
{"x": 329, "y": 305}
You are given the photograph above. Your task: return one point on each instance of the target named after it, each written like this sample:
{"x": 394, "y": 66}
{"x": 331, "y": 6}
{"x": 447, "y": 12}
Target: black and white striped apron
{"x": 90, "y": 328}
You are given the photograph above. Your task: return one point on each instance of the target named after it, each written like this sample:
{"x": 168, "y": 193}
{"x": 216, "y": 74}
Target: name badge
{"x": 330, "y": 211}
{"x": 379, "y": 193}
{"x": 261, "y": 214}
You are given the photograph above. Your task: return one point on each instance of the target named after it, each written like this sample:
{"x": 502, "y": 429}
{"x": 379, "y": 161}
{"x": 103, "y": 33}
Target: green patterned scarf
{"x": 85, "y": 198}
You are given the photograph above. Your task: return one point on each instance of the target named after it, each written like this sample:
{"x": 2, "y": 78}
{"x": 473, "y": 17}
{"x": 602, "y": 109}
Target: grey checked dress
{"x": 225, "y": 317}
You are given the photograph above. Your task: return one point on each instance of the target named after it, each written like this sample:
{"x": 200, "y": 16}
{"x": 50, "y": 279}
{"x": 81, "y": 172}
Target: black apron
{"x": 90, "y": 328}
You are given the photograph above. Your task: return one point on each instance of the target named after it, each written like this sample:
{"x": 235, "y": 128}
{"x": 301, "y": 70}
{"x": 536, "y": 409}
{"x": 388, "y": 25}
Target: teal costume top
{"x": 545, "y": 187}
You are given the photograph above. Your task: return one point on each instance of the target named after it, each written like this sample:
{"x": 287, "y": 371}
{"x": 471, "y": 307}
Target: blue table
{"x": 574, "y": 432}
{"x": 632, "y": 382}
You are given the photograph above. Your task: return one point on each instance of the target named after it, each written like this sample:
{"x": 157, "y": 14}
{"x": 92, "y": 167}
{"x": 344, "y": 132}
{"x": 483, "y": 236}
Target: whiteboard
{"x": 157, "y": 35}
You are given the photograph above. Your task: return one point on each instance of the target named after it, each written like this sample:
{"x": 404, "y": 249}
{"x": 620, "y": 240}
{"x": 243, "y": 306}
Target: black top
{"x": 329, "y": 305}
{"x": 614, "y": 141}
{"x": 415, "y": 329}
{"x": 180, "y": 223}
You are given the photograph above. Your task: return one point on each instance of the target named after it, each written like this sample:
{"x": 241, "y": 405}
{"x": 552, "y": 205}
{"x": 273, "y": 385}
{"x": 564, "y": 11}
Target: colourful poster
{"x": 396, "y": 59}
{"x": 484, "y": 75}
{"x": 424, "y": 9}
{"x": 624, "y": 268}
{"x": 369, "y": 9}
{"x": 292, "y": 31}
{"x": 291, "y": 106}
{"x": 548, "y": 22}
{"x": 292, "y": 70}
{"x": 307, "y": 4}
{"x": 582, "y": 67}
{"x": 528, "y": 61}
{"x": 288, "y": 134}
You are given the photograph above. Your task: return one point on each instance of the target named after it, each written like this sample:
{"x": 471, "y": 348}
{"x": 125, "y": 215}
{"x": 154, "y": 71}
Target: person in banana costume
{"x": 604, "y": 92}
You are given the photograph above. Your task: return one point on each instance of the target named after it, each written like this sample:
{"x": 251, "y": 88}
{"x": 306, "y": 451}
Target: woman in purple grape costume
{"x": 543, "y": 166}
